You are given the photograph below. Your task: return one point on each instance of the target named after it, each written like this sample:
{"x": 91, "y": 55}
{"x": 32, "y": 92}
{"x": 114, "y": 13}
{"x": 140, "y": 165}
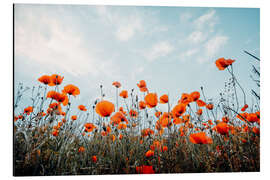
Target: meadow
{"x": 194, "y": 135}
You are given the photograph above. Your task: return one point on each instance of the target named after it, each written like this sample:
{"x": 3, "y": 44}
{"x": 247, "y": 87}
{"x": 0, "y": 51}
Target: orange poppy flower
{"x": 104, "y": 108}
{"x": 81, "y": 149}
{"x": 164, "y": 148}
{"x": 28, "y": 110}
{"x": 147, "y": 132}
{"x": 142, "y": 105}
{"x": 164, "y": 99}
{"x": 144, "y": 89}
{"x": 64, "y": 120}
{"x": 142, "y": 84}
{"x": 195, "y": 96}
{"x": 256, "y": 130}
{"x": 222, "y": 63}
{"x": 120, "y": 136}
{"x": 74, "y": 117}
{"x": 209, "y": 106}
{"x": 82, "y": 108}
{"x": 225, "y": 119}
{"x": 222, "y": 128}
{"x": 244, "y": 107}
{"x": 62, "y": 98}
{"x": 121, "y": 126}
{"x": 145, "y": 169}
{"x": 199, "y": 112}
{"x": 45, "y": 79}
{"x": 179, "y": 110}
{"x": 117, "y": 118}
{"x": 242, "y": 116}
{"x": 94, "y": 159}
{"x": 89, "y": 127}
{"x": 133, "y": 113}
{"x": 200, "y": 103}
{"x": 157, "y": 114}
{"x": 71, "y": 90}
{"x": 121, "y": 109}
{"x": 200, "y": 138}
{"x": 124, "y": 94}
{"x": 55, "y": 80}
{"x": 253, "y": 117}
{"x": 185, "y": 99}
{"x": 55, "y": 133}
{"x": 149, "y": 153}
{"x": 151, "y": 100}
{"x": 177, "y": 120}
{"x": 116, "y": 84}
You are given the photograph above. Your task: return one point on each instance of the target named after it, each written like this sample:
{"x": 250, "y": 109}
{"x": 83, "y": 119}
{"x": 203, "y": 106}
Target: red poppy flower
{"x": 71, "y": 90}
{"x": 163, "y": 99}
{"x": 149, "y": 153}
{"x": 124, "y": 94}
{"x": 28, "y": 110}
{"x": 45, "y": 79}
{"x": 116, "y": 84}
{"x": 200, "y": 138}
{"x": 222, "y": 63}
{"x": 195, "y": 96}
{"x": 151, "y": 100}
{"x": 56, "y": 80}
{"x": 142, "y": 105}
{"x": 104, "y": 108}
{"x": 179, "y": 110}
{"x": 82, "y": 108}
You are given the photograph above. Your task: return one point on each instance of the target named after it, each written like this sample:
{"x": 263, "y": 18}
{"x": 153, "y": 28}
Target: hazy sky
{"x": 172, "y": 48}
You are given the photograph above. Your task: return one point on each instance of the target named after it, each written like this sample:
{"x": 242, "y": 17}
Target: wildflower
{"x": 74, "y": 117}
{"x": 225, "y": 119}
{"x": 177, "y": 120}
{"x": 60, "y": 97}
{"x": 82, "y": 108}
{"x": 121, "y": 126}
{"x": 89, "y": 127}
{"x": 117, "y": 118}
{"x": 200, "y": 138}
{"x": 56, "y": 80}
{"x": 222, "y": 128}
{"x": 185, "y": 99}
{"x": 147, "y": 132}
{"x": 45, "y": 79}
{"x": 55, "y": 133}
{"x": 81, "y": 149}
{"x": 28, "y": 110}
{"x": 149, "y": 153}
{"x": 116, "y": 84}
{"x": 151, "y": 100}
{"x": 120, "y": 136}
{"x": 112, "y": 137}
{"x": 252, "y": 117}
{"x": 178, "y": 110}
{"x": 94, "y": 159}
{"x": 223, "y": 63}
{"x": 157, "y": 114}
{"x": 244, "y": 107}
{"x": 142, "y": 105}
{"x": 124, "y": 94}
{"x": 200, "y": 103}
{"x": 209, "y": 106}
{"x": 164, "y": 99}
{"x": 142, "y": 84}
{"x": 71, "y": 90}
{"x": 256, "y": 130}
{"x": 145, "y": 169}
{"x": 164, "y": 148}
{"x": 195, "y": 96}
{"x": 199, "y": 112}
{"x": 104, "y": 108}
{"x": 133, "y": 113}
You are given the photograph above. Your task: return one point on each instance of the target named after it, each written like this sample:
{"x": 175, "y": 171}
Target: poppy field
{"x": 132, "y": 135}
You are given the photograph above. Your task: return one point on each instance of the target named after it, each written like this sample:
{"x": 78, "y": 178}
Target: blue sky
{"x": 172, "y": 48}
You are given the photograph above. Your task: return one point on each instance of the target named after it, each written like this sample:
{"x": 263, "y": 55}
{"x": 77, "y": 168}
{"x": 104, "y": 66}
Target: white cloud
{"x": 207, "y": 20}
{"x": 197, "y": 37}
{"x": 212, "y": 47}
{"x": 47, "y": 41}
{"x": 158, "y": 50}
{"x": 188, "y": 54}
{"x": 126, "y": 31}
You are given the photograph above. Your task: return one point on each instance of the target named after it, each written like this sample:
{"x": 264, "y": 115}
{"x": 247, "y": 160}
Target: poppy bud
{"x": 100, "y": 86}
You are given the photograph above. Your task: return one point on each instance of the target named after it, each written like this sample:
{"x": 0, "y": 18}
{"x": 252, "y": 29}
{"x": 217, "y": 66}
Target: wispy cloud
{"x": 197, "y": 37}
{"x": 209, "y": 19}
{"x": 160, "y": 49}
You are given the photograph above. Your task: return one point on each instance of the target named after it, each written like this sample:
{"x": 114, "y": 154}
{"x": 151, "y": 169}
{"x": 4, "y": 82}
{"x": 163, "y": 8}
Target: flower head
{"x": 104, "y": 108}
